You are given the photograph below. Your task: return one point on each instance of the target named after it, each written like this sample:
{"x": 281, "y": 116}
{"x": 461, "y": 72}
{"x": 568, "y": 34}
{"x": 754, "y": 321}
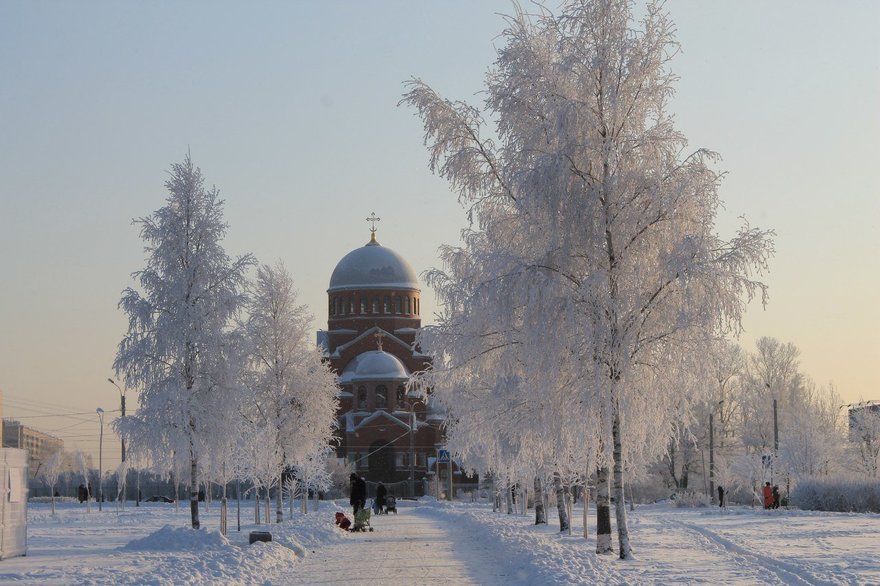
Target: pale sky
{"x": 290, "y": 108}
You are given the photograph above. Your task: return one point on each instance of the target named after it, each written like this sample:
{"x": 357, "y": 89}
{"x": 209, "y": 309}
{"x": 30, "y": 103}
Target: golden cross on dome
{"x": 379, "y": 336}
{"x": 373, "y": 219}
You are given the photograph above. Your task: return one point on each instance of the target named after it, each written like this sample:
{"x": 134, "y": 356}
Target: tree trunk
{"x": 223, "y": 510}
{"x": 268, "y": 506}
{"x": 619, "y": 500}
{"x": 569, "y": 505}
{"x": 540, "y": 513}
{"x": 256, "y": 505}
{"x": 279, "y": 504}
{"x": 603, "y": 512}
{"x": 561, "y": 509}
{"x": 586, "y": 499}
{"x": 194, "y": 492}
{"x": 291, "y": 491}
{"x": 507, "y": 491}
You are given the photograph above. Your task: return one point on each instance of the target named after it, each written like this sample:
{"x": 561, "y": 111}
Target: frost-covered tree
{"x": 610, "y": 222}
{"x": 811, "y": 443}
{"x": 178, "y": 340}
{"x": 772, "y": 373}
{"x": 293, "y": 393}
{"x": 51, "y": 470}
{"x": 81, "y": 465}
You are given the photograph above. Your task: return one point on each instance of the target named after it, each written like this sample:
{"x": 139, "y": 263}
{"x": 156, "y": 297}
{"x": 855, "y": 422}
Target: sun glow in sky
{"x": 291, "y": 110}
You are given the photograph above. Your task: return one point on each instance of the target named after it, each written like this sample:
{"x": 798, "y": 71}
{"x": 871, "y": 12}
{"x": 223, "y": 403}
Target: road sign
{"x": 443, "y": 457}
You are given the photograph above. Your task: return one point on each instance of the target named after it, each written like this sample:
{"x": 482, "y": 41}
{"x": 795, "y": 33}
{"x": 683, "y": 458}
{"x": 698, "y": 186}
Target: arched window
{"x": 417, "y": 306}
{"x": 397, "y": 305}
{"x": 363, "y": 305}
{"x": 386, "y": 305}
{"x": 375, "y": 305}
{"x": 401, "y": 397}
{"x": 362, "y": 397}
{"x": 330, "y": 307}
{"x": 408, "y": 312}
{"x": 381, "y": 397}
{"x": 351, "y": 306}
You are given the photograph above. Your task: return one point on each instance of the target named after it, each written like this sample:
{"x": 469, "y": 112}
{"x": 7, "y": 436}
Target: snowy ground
{"x": 438, "y": 543}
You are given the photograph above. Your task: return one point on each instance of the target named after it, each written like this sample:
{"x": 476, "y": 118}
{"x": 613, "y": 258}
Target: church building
{"x": 388, "y": 435}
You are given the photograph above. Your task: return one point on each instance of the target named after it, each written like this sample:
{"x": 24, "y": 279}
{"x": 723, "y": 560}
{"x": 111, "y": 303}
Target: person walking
{"x": 720, "y": 496}
{"x": 381, "y": 493}
{"x": 768, "y": 496}
{"x": 775, "y": 495}
{"x": 358, "y": 497}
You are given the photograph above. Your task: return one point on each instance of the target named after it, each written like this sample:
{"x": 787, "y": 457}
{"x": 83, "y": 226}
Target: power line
{"x": 62, "y": 415}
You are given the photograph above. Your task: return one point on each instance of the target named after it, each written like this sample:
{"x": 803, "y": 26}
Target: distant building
{"x": 39, "y": 445}
{"x": 384, "y": 432}
{"x": 858, "y": 413}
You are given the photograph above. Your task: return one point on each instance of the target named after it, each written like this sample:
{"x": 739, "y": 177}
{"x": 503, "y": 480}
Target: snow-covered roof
{"x": 370, "y": 333}
{"x": 374, "y": 365}
{"x": 373, "y": 267}
{"x": 381, "y": 415}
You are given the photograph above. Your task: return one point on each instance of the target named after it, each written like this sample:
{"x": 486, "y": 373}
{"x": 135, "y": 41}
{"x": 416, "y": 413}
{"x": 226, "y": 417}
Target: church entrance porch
{"x": 381, "y": 466}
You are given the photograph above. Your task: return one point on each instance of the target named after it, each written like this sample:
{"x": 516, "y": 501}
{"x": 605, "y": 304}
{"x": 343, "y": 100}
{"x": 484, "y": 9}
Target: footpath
{"x": 410, "y": 548}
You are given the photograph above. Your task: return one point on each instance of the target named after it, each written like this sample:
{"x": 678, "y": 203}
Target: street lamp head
{"x": 99, "y": 411}
{"x": 111, "y": 381}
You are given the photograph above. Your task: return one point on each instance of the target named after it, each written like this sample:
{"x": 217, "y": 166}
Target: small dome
{"x": 373, "y": 267}
{"x": 374, "y": 365}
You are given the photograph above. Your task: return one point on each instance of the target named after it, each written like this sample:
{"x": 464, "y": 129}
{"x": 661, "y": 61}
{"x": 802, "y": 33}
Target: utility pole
{"x": 712, "y": 452}
{"x": 775, "y": 430}
{"x": 711, "y": 461}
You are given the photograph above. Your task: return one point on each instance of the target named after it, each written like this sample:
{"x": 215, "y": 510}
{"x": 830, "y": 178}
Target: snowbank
{"x": 170, "y": 538}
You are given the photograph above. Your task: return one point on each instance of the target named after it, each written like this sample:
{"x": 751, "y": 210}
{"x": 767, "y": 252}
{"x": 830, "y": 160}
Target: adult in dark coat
{"x": 358, "y": 493}
{"x": 720, "y": 496}
{"x": 381, "y": 493}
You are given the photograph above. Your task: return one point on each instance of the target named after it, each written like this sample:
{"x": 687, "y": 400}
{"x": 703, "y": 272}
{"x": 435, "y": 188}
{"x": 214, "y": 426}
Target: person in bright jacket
{"x": 768, "y": 496}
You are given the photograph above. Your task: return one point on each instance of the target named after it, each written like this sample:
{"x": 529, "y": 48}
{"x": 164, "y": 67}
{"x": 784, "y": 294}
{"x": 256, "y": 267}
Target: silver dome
{"x": 375, "y": 365}
{"x": 373, "y": 267}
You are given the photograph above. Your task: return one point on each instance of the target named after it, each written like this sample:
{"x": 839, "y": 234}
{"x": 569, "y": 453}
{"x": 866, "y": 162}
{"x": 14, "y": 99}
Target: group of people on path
{"x": 771, "y": 496}
{"x": 358, "y": 498}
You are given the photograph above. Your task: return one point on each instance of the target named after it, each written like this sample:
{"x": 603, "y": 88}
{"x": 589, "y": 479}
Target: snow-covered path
{"x": 431, "y": 542}
{"x": 408, "y": 548}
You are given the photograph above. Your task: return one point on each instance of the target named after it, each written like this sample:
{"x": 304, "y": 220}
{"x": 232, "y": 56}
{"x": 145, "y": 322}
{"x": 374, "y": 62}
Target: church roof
{"x": 373, "y": 266}
{"x": 374, "y": 365}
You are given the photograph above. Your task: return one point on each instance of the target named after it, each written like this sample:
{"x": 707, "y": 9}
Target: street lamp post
{"x": 412, "y": 449}
{"x": 122, "y": 410}
{"x": 712, "y": 453}
{"x": 122, "y": 439}
{"x": 100, "y": 413}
